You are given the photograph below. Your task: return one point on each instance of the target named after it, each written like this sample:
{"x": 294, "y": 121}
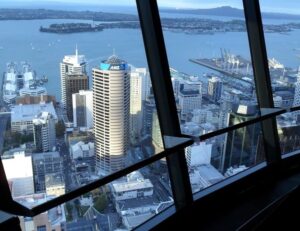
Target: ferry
{"x": 10, "y": 83}
{"x": 21, "y": 83}
{"x": 274, "y": 64}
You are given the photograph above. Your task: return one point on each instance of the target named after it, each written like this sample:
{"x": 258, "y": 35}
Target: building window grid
{"x": 142, "y": 4}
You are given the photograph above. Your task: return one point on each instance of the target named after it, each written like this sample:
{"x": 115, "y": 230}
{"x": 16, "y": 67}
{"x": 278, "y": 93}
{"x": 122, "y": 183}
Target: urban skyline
{"x": 115, "y": 124}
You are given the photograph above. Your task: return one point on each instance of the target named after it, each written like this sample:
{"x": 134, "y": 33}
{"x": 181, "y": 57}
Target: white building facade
{"x": 22, "y": 116}
{"x": 18, "y": 171}
{"x": 138, "y": 87}
{"x": 83, "y": 109}
{"x": 44, "y": 132}
{"x": 111, "y": 86}
{"x": 74, "y": 65}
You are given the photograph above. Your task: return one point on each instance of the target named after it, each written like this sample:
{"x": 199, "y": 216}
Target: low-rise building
{"x": 43, "y": 164}
{"x": 203, "y": 176}
{"x": 50, "y": 220}
{"x": 23, "y": 115}
{"x": 81, "y": 150}
{"x": 136, "y": 201}
{"x": 18, "y": 171}
{"x": 55, "y": 184}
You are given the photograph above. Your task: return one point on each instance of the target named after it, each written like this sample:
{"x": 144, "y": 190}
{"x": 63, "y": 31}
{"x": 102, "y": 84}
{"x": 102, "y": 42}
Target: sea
{"x": 21, "y": 40}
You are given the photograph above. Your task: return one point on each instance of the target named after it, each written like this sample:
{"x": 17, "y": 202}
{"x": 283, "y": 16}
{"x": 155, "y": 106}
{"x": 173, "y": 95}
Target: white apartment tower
{"x": 138, "y": 88}
{"x": 83, "y": 108}
{"x": 71, "y": 65}
{"x": 44, "y": 132}
{"x": 297, "y": 95}
{"x": 111, "y": 86}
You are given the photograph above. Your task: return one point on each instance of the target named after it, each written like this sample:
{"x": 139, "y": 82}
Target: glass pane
{"x": 281, "y": 23}
{"x": 77, "y": 102}
{"x": 218, "y": 158}
{"x": 122, "y": 204}
{"x": 289, "y": 135}
{"x": 211, "y": 69}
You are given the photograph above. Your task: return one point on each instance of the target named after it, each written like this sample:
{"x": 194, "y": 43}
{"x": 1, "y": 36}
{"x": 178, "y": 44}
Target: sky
{"x": 283, "y": 6}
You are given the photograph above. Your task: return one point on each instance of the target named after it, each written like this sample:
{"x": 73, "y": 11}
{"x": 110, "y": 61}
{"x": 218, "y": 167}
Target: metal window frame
{"x": 262, "y": 78}
{"x": 173, "y": 144}
{"x": 164, "y": 97}
{"x": 167, "y": 113}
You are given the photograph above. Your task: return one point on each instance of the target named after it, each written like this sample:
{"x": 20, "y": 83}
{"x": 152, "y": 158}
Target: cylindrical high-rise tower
{"x": 111, "y": 86}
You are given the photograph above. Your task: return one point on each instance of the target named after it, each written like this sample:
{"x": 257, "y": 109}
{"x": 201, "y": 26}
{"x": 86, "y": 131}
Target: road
{"x": 67, "y": 163}
{"x": 3, "y": 123}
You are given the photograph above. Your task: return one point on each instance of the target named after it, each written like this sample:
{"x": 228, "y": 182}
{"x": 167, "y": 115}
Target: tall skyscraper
{"x": 44, "y": 132}
{"x": 297, "y": 96}
{"x": 149, "y": 107}
{"x": 83, "y": 109}
{"x": 214, "y": 90}
{"x": 243, "y": 146}
{"x": 137, "y": 95}
{"x": 73, "y": 78}
{"x": 157, "y": 139}
{"x": 111, "y": 86}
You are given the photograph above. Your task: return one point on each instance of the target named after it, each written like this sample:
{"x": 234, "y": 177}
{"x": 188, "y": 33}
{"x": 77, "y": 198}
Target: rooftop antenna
{"x": 76, "y": 51}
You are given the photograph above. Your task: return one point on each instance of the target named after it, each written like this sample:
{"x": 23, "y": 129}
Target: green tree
{"x": 60, "y": 128}
{"x": 100, "y": 203}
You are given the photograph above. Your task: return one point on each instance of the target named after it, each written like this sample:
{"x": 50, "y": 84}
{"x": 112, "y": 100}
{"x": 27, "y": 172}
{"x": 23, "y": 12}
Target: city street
{"x": 67, "y": 164}
{"x": 4, "y": 118}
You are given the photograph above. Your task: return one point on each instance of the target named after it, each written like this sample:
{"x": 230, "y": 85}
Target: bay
{"x": 22, "y": 41}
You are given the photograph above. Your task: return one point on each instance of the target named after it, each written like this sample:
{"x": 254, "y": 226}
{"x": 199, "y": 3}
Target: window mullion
{"x": 262, "y": 78}
{"x": 165, "y": 102}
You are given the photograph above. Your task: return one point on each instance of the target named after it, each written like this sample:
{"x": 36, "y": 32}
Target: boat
{"x": 21, "y": 83}
{"x": 10, "y": 83}
{"x": 45, "y": 79}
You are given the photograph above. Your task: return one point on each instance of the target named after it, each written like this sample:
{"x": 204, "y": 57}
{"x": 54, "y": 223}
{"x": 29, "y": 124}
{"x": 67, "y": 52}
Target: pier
{"x": 211, "y": 64}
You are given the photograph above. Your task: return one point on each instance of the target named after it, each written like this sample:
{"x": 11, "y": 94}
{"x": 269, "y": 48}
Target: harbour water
{"x": 22, "y": 41}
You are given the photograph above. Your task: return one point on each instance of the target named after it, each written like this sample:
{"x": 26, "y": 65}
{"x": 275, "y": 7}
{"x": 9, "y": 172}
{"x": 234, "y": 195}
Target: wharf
{"x": 211, "y": 64}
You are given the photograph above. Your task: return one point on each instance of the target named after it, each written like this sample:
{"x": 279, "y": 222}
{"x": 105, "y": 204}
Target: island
{"x": 65, "y": 28}
{"x": 104, "y": 20}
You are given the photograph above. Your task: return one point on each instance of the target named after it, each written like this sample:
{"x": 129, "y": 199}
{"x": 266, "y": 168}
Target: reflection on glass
{"x": 214, "y": 160}
{"x": 281, "y": 26}
{"x": 76, "y": 101}
{"x": 122, "y": 204}
{"x": 212, "y": 71}
{"x": 213, "y": 83}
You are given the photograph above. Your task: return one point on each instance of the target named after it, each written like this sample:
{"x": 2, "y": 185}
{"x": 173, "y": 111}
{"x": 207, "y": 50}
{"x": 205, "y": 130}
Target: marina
{"x": 21, "y": 83}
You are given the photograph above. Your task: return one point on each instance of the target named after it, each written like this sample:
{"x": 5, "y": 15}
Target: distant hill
{"x": 227, "y": 11}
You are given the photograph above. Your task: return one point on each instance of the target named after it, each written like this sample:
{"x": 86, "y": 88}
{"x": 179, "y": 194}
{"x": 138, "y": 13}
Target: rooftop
{"x": 42, "y": 118}
{"x": 76, "y": 60}
{"x": 29, "y": 111}
{"x": 46, "y": 155}
{"x": 139, "y": 202}
{"x": 205, "y": 175}
{"x": 132, "y": 185}
{"x": 54, "y": 179}
{"x": 114, "y": 63}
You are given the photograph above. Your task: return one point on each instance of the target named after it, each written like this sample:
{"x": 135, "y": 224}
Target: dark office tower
{"x": 73, "y": 78}
{"x": 148, "y": 108}
{"x": 111, "y": 86}
{"x": 243, "y": 146}
{"x": 74, "y": 83}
